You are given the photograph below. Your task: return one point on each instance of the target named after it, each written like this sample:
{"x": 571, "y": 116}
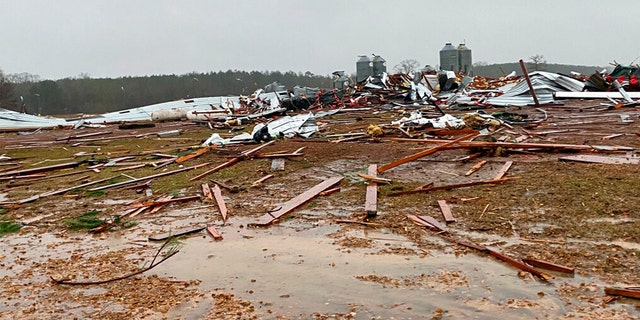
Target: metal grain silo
{"x": 449, "y": 58}
{"x": 379, "y": 66}
{"x": 464, "y": 59}
{"x": 364, "y": 68}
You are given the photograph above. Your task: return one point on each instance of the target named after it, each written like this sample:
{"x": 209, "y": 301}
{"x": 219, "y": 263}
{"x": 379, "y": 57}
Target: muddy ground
{"x": 312, "y": 264}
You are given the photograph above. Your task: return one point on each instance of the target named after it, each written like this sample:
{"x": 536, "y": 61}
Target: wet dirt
{"x": 310, "y": 265}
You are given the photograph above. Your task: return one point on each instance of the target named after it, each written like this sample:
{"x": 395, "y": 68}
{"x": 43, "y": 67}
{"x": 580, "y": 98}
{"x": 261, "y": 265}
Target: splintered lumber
{"x": 520, "y": 265}
{"x": 423, "y": 153}
{"x": 261, "y": 180}
{"x": 61, "y": 191}
{"x": 195, "y": 154}
{"x": 373, "y": 178}
{"x": 500, "y": 256}
{"x": 329, "y": 191}
{"x": 120, "y": 184}
{"x": 601, "y": 159}
{"x": 427, "y": 221}
{"x": 213, "y": 231}
{"x": 371, "y": 197}
{"x": 625, "y": 292}
{"x": 503, "y": 170}
{"x": 206, "y": 191}
{"x": 243, "y": 155}
{"x": 476, "y": 167}
{"x": 508, "y": 145}
{"x": 297, "y": 201}
{"x": 165, "y": 201}
{"x": 448, "y": 187}
{"x": 41, "y": 169}
{"x": 548, "y": 265}
{"x": 217, "y": 193}
{"x": 446, "y": 211}
{"x": 611, "y": 136}
{"x": 177, "y": 233}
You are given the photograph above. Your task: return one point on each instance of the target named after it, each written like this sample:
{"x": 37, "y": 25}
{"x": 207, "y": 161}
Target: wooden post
{"x": 526, "y": 77}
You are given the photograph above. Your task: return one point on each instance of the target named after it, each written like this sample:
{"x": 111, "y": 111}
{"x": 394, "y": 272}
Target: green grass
{"x": 87, "y": 220}
{"x": 9, "y": 227}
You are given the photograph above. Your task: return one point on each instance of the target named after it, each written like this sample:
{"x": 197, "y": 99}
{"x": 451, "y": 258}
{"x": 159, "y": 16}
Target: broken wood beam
{"x": 624, "y": 292}
{"x": 52, "y": 193}
{"x": 448, "y": 187}
{"x": 242, "y": 155}
{"x": 371, "y": 195}
{"x": 505, "y": 145}
{"x": 261, "y": 180}
{"x": 446, "y": 211}
{"x": 120, "y": 184}
{"x": 601, "y": 159}
{"x": 41, "y": 169}
{"x": 423, "y": 153}
{"x": 222, "y": 206}
{"x": 532, "y": 91}
{"x": 373, "y": 178}
{"x": 427, "y": 221}
{"x": 476, "y": 167}
{"x": 213, "y": 231}
{"x": 206, "y": 191}
{"x": 548, "y": 265}
{"x": 297, "y": 201}
{"x": 329, "y": 191}
{"x": 519, "y": 265}
{"x": 500, "y": 174}
{"x": 195, "y": 154}
{"x": 163, "y": 202}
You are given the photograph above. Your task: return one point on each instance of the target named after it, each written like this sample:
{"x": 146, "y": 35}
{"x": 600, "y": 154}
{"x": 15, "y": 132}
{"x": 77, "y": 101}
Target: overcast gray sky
{"x": 114, "y": 38}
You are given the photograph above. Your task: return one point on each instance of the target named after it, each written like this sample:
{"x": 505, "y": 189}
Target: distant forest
{"x": 87, "y": 95}
{"x": 93, "y": 96}
{"x": 499, "y": 70}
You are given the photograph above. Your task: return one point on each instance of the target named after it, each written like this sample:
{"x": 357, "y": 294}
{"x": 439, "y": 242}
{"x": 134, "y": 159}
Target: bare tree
{"x": 406, "y": 66}
{"x": 7, "y": 99}
{"x": 537, "y": 60}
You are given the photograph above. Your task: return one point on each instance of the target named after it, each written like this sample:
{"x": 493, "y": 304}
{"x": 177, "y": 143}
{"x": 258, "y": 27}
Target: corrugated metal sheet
{"x": 14, "y": 121}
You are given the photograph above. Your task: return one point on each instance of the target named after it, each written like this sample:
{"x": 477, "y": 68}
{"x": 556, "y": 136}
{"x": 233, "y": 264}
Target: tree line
{"x": 88, "y": 95}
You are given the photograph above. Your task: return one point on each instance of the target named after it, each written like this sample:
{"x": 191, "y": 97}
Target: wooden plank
{"x": 148, "y": 177}
{"x": 420, "y": 222}
{"x": 548, "y": 265}
{"x": 371, "y": 196}
{"x": 601, "y": 159}
{"x": 163, "y": 201}
{"x": 217, "y": 168}
{"x": 195, "y": 154}
{"x": 625, "y": 292}
{"x": 261, "y": 180}
{"x": 222, "y": 206}
{"x": 476, "y": 167}
{"x": 423, "y": 153}
{"x": 329, "y": 191}
{"x": 374, "y": 178}
{"x": 178, "y": 233}
{"x": 503, "y": 170}
{"x": 213, "y": 231}
{"x": 244, "y": 154}
{"x": 448, "y": 187}
{"x": 297, "y": 201}
{"x": 206, "y": 191}
{"x": 612, "y": 136}
{"x": 41, "y": 169}
{"x": 435, "y": 223}
{"x": 520, "y": 265}
{"x": 446, "y": 211}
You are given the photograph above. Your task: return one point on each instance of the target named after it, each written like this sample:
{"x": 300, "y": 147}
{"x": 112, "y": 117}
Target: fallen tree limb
{"x": 151, "y": 266}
